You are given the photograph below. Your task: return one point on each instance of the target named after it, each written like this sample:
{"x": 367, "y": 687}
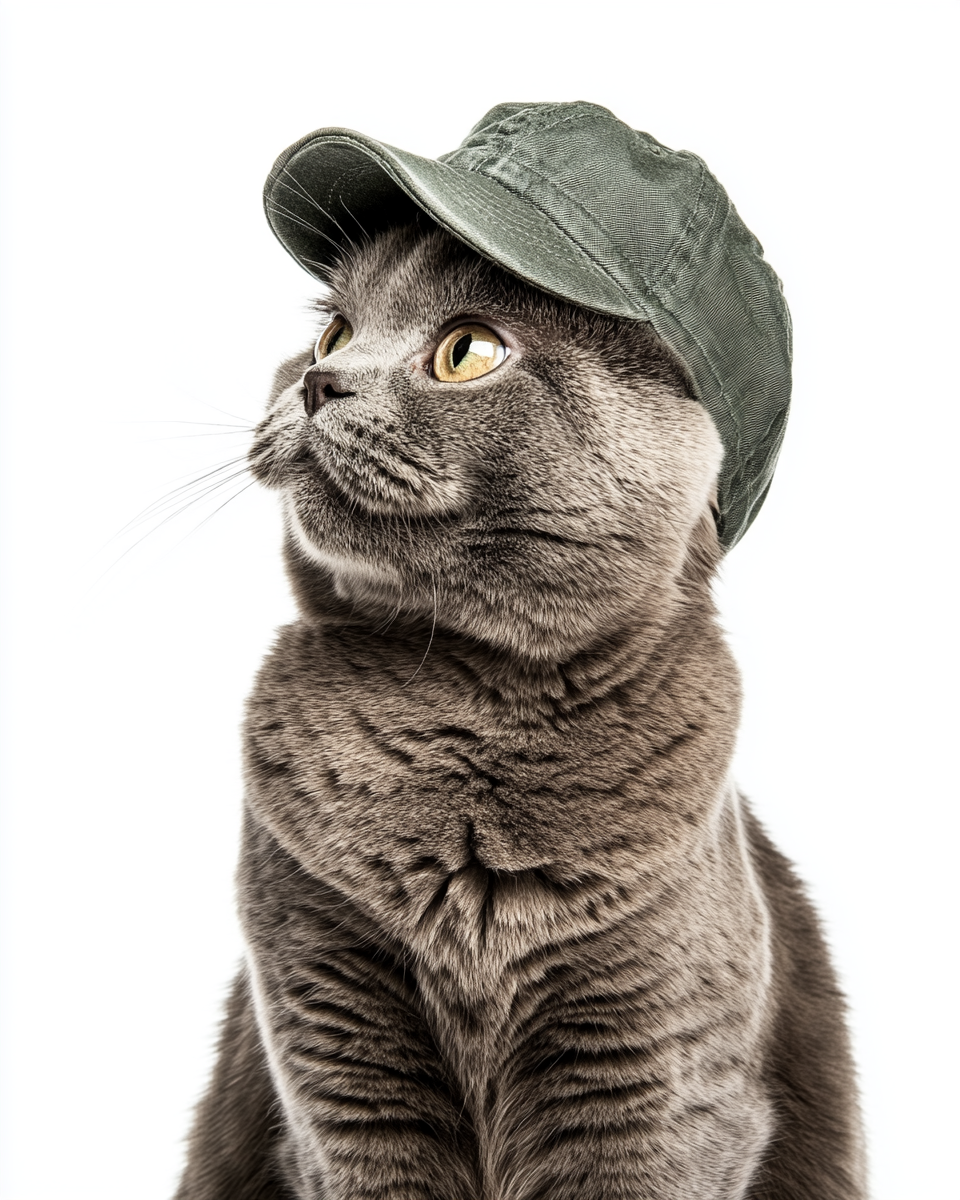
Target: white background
{"x": 143, "y": 294}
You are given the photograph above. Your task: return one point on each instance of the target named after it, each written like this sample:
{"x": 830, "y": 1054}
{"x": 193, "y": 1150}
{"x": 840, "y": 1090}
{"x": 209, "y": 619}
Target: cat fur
{"x": 513, "y": 934}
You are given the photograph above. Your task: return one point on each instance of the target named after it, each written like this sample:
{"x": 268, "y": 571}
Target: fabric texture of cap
{"x": 572, "y": 200}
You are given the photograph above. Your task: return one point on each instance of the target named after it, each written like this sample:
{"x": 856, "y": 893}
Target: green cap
{"x": 582, "y": 206}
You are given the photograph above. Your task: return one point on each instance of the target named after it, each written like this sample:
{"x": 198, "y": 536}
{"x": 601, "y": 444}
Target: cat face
{"x": 533, "y": 481}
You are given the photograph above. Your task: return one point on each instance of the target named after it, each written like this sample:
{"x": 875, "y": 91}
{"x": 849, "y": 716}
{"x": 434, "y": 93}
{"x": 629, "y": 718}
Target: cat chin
{"x": 348, "y": 573}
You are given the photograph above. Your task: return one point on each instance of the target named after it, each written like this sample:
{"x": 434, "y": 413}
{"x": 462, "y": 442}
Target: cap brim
{"x": 335, "y": 186}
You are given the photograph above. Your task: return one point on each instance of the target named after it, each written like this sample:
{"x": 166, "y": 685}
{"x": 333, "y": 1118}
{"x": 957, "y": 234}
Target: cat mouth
{"x": 322, "y": 478}
{"x": 391, "y": 484}
{"x": 307, "y": 463}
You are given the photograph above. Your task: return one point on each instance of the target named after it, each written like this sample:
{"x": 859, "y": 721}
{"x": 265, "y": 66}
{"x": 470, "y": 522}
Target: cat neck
{"x": 674, "y": 632}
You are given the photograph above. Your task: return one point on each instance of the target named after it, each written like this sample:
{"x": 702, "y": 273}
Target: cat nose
{"x": 321, "y": 388}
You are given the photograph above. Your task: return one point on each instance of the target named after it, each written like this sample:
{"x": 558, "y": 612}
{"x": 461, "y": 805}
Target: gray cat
{"x": 513, "y": 934}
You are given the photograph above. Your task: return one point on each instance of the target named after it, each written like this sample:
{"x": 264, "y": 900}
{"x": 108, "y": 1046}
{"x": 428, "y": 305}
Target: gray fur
{"x": 513, "y": 934}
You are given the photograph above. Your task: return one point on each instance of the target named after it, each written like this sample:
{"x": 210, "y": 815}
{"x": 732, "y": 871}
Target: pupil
{"x": 461, "y": 348}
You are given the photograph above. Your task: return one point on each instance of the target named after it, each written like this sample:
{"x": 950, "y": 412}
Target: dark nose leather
{"x": 321, "y": 387}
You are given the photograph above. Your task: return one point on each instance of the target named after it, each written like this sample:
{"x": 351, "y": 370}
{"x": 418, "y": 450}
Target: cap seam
{"x": 674, "y": 252}
{"x": 567, "y": 118}
{"x": 575, "y": 243}
{"x": 683, "y": 257}
{"x": 589, "y": 216}
{"x": 721, "y": 392}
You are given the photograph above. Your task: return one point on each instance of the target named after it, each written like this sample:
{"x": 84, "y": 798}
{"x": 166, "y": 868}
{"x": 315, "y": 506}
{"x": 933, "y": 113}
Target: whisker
{"x": 175, "y": 437}
{"x": 179, "y": 504}
{"x": 357, "y": 221}
{"x": 158, "y": 421}
{"x": 288, "y": 215}
{"x": 196, "y": 481}
{"x": 236, "y": 416}
{"x": 229, "y": 500}
{"x": 313, "y": 263}
{"x": 193, "y": 500}
{"x": 209, "y": 490}
{"x": 176, "y": 494}
{"x": 301, "y": 191}
{"x": 433, "y": 629}
{"x": 198, "y": 484}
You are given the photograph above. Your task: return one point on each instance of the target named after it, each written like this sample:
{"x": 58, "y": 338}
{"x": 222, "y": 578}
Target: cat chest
{"x": 348, "y": 789}
{"x": 504, "y": 971}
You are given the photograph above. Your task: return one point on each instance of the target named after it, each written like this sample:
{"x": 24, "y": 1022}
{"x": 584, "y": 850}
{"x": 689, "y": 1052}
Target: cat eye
{"x": 468, "y": 352}
{"x": 334, "y": 337}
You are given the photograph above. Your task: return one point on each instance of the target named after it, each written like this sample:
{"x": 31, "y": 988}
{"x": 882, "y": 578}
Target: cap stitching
{"x": 575, "y": 204}
{"x": 721, "y": 393}
{"x": 566, "y": 118}
{"x": 510, "y": 219}
{"x": 495, "y": 146}
{"x": 684, "y": 256}
{"x": 664, "y": 273}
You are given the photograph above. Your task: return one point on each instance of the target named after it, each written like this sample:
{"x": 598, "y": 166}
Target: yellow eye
{"x": 334, "y": 337}
{"x": 468, "y": 352}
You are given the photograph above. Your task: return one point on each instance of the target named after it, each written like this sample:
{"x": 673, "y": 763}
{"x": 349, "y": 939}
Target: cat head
{"x": 463, "y": 449}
